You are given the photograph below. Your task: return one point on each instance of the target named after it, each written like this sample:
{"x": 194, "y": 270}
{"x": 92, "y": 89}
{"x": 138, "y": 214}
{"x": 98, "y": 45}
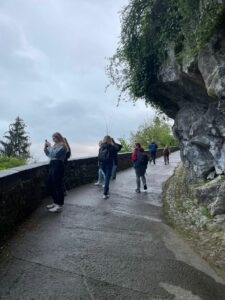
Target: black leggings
{"x": 55, "y": 181}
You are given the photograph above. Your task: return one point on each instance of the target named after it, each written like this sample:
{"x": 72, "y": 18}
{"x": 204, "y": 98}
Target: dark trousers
{"x": 107, "y": 169}
{"x": 140, "y": 175}
{"x": 152, "y": 157}
{"x": 114, "y": 168}
{"x": 55, "y": 181}
{"x": 166, "y": 158}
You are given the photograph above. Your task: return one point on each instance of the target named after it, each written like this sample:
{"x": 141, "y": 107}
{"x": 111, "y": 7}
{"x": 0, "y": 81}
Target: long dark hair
{"x": 68, "y": 149}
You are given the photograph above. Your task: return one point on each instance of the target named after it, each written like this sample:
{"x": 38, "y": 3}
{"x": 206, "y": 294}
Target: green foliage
{"x": 10, "y": 162}
{"x": 159, "y": 131}
{"x": 149, "y": 29}
{"x": 126, "y": 146}
{"x": 16, "y": 142}
{"x": 205, "y": 212}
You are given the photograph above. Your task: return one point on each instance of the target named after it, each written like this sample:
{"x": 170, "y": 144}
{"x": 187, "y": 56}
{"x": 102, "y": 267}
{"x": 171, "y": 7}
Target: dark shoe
{"x": 145, "y": 187}
{"x": 137, "y": 191}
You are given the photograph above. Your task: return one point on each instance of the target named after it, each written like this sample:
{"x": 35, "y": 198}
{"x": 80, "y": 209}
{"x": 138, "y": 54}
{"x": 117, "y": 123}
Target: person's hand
{"x": 47, "y": 144}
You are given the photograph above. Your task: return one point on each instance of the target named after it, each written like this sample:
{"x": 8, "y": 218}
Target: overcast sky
{"x": 52, "y": 72}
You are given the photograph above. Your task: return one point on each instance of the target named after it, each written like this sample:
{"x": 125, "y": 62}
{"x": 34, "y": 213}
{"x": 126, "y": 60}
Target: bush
{"x": 10, "y": 162}
{"x": 158, "y": 131}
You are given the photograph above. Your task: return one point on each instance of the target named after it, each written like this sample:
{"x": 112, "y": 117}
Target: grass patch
{"x": 10, "y": 162}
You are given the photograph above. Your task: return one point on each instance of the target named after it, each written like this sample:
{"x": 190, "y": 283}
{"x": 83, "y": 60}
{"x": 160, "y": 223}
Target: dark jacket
{"x": 137, "y": 162}
{"x": 112, "y": 153}
{"x": 115, "y": 155}
{"x": 152, "y": 147}
{"x": 139, "y": 166}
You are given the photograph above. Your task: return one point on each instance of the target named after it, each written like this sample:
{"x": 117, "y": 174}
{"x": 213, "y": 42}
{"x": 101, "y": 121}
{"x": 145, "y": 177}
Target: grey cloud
{"x": 52, "y": 70}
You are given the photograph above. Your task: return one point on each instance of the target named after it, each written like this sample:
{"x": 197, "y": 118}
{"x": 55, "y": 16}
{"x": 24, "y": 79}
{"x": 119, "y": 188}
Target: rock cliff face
{"x": 194, "y": 94}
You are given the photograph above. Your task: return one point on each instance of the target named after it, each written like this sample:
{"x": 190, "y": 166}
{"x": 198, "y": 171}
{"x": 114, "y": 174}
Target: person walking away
{"x": 68, "y": 155}
{"x": 106, "y": 154}
{"x": 57, "y": 155}
{"x": 166, "y": 154}
{"x": 140, "y": 163}
{"x": 115, "y": 158}
{"x": 152, "y": 150}
{"x": 101, "y": 175}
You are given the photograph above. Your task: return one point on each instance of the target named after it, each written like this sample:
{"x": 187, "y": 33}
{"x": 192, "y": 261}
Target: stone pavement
{"x": 118, "y": 248}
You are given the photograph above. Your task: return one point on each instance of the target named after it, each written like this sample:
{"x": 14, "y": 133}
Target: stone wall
{"x": 22, "y": 189}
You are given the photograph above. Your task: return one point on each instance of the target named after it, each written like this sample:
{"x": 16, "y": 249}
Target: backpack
{"x": 153, "y": 147}
{"x": 68, "y": 154}
{"x": 166, "y": 151}
{"x": 142, "y": 159}
{"x": 104, "y": 154}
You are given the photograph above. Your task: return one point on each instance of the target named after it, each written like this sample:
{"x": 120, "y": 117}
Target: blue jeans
{"x": 114, "y": 168}
{"x": 107, "y": 169}
{"x": 101, "y": 176}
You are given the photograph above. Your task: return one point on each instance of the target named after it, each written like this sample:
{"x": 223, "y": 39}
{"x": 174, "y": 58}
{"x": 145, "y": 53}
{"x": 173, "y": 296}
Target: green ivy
{"x": 148, "y": 27}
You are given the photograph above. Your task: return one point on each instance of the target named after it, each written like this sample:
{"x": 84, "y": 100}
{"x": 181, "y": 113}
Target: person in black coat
{"x": 106, "y": 156}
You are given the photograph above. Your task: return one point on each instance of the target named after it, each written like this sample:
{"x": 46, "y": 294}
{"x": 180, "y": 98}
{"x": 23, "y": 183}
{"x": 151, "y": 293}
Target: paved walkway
{"x": 118, "y": 248}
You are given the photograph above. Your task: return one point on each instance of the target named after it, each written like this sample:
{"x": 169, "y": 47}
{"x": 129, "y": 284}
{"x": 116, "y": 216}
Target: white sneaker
{"x": 103, "y": 185}
{"x": 97, "y": 183}
{"x": 105, "y": 196}
{"x": 50, "y": 206}
{"x": 56, "y": 208}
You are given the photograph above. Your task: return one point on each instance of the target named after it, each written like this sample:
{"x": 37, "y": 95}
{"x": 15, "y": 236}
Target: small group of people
{"x": 153, "y": 150}
{"x": 60, "y": 152}
{"x": 140, "y": 162}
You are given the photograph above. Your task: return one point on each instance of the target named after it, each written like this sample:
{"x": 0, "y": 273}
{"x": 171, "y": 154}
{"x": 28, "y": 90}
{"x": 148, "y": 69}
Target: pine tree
{"x": 16, "y": 142}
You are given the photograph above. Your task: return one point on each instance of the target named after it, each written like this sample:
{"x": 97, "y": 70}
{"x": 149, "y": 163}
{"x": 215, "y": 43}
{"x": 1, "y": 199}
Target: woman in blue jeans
{"x": 106, "y": 155}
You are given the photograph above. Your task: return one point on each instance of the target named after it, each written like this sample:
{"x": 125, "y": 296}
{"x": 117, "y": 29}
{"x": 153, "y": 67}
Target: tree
{"x": 126, "y": 147}
{"x": 16, "y": 142}
{"x": 159, "y": 131}
{"x": 149, "y": 30}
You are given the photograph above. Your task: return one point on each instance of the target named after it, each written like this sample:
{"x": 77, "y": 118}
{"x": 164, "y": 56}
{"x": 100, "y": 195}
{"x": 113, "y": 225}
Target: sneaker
{"x": 50, "y": 206}
{"x": 145, "y": 187}
{"x": 97, "y": 183}
{"x": 137, "y": 191}
{"x": 105, "y": 196}
{"x": 103, "y": 185}
{"x": 56, "y": 208}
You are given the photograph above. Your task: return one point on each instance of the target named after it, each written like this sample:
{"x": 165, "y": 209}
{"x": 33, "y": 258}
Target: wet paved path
{"x": 118, "y": 248}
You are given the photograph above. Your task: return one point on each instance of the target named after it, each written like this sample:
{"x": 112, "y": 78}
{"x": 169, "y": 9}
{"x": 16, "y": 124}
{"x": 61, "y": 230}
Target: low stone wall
{"x": 23, "y": 188}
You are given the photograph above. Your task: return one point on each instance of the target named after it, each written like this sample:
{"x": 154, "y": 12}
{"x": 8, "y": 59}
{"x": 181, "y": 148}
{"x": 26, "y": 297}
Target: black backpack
{"x": 142, "y": 158}
{"x": 166, "y": 151}
{"x": 104, "y": 154}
